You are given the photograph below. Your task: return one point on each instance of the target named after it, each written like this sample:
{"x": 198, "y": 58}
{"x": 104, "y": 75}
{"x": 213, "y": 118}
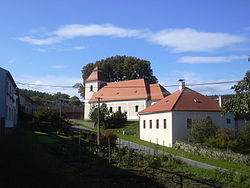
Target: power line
{"x": 135, "y": 86}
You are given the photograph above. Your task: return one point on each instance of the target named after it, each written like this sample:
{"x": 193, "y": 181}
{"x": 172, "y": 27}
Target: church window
{"x": 136, "y": 108}
{"x": 91, "y": 88}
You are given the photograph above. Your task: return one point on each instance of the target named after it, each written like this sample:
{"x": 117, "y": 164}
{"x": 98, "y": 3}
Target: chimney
{"x": 181, "y": 84}
{"x": 220, "y": 101}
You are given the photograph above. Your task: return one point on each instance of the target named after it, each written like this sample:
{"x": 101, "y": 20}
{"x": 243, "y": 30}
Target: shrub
{"x": 108, "y": 135}
{"x": 223, "y": 140}
{"x": 116, "y": 120}
{"x": 202, "y": 129}
{"x": 244, "y": 135}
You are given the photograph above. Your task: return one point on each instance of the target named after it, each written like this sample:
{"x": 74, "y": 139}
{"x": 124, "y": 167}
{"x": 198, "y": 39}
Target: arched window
{"x": 91, "y": 88}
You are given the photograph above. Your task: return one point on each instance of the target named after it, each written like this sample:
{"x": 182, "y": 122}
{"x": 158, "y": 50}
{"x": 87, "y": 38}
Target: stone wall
{"x": 212, "y": 153}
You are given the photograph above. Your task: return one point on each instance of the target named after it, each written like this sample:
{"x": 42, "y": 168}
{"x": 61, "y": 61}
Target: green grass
{"x": 24, "y": 163}
{"x": 37, "y": 159}
{"x": 130, "y": 128}
{"x": 236, "y": 167}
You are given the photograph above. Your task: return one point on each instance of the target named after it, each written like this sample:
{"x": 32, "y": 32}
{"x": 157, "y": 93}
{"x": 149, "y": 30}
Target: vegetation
{"x": 119, "y": 68}
{"x": 45, "y": 99}
{"x": 240, "y": 103}
{"x": 224, "y": 139}
{"x": 107, "y": 119}
{"x": 201, "y": 130}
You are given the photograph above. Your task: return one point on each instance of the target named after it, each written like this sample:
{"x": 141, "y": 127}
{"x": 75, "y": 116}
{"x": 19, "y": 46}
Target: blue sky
{"x": 48, "y": 42}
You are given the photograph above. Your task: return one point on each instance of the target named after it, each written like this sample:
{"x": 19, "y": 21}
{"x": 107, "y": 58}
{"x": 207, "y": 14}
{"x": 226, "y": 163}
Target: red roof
{"x": 184, "y": 100}
{"x": 157, "y": 92}
{"x": 130, "y": 90}
{"x": 96, "y": 75}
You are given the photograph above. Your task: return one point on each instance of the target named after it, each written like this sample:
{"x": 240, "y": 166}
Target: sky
{"x": 48, "y": 42}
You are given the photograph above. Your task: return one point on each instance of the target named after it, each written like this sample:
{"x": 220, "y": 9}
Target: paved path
{"x": 81, "y": 129}
{"x": 151, "y": 151}
{"x": 147, "y": 150}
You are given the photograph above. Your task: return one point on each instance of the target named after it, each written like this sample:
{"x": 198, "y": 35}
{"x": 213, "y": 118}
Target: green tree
{"x": 245, "y": 134}
{"x": 119, "y": 68}
{"x": 74, "y": 101}
{"x": 240, "y": 103}
{"x": 103, "y": 115}
{"x": 202, "y": 129}
{"x": 116, "y": 120}
{"x": 224, "y": 139}
{"x": 38, "y": 100}
{"x": 81, "y": 89}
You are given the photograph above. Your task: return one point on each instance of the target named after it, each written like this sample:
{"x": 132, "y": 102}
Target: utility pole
{"x": 98, "y": 122}
{"x": 60, "y": 109}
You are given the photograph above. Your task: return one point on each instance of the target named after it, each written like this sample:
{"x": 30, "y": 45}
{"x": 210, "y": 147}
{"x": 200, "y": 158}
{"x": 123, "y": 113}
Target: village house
{"x": 8, "y": 102}
{"x": 170, "y": 119}
{"x": 131, "y": 96}
{"x": 28, "y": 106}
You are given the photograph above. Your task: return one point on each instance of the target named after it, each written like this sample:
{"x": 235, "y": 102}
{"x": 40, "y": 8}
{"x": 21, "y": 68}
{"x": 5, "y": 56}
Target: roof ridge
{"x": 177, "y": 99}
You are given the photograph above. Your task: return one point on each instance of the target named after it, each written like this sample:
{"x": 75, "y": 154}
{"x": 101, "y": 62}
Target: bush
{"x": 223, "y": 140}
{"x": 244, "y": 135}
{"x": 201, "y": 130}
{"x": 108, "y": 135}
{"x": 116, "y": 120}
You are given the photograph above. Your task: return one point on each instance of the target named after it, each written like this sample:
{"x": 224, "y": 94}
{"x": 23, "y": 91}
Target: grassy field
{"x": 131, "y": 134}
{"x": 37, "y": 159}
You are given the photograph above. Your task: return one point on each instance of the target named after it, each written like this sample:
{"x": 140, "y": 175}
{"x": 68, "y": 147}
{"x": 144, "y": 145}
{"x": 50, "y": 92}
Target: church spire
{"x": 96, "y": 75}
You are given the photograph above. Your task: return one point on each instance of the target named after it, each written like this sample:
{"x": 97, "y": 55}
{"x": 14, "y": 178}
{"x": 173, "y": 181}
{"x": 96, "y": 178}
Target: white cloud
{"x": 50, "y": 80}
{"x": 47, "y": 41}
{"x": 79, "y": 47}
{"x": 58, "y": 66}
{"x": 77, "y": 30}
{"x": 180, "y": 40}
{"x": 190, "y": 40}
{"x": 218, "y": 59}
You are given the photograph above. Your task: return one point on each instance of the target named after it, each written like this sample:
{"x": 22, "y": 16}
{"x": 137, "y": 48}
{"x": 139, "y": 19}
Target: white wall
{"x": 177, "y": 125}
{"x": 88, "y": 95}
{"x": 180, "y": 130}
{"x": 161, "y": 136}
{"x": 128, "y": 106}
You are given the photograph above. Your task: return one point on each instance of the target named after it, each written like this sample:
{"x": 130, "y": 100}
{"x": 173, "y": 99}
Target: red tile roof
{"x": 96, "y": 75}
{"x": 184, "y": 100}
{"x": 157, "y": 92}
{"x": 130, "y": 90}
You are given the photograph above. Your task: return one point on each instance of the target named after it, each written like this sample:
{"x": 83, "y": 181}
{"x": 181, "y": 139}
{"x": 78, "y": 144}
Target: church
{"x": 129, "y": 96}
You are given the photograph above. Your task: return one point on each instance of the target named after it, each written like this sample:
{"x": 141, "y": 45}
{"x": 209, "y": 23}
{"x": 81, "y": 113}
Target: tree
{"x": 81, "y": 89}
{"x": 104, "y": 113}
{"x": 202, "y": 129}
{"x": 245, "y": 134}
{"x": 240, "y": 103}
{"x": 74, "y": 101}
{"x": 38, "y": 100}
{"x": 224, "y": 139}
{"x": 116, "y": 120}
{"x": 119, "y": 68}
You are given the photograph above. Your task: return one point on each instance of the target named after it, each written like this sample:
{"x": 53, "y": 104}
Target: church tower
{"x": 92, "y": 84}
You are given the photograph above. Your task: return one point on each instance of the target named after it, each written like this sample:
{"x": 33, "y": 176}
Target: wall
{"x": 180, "y": 130}
{"x": 161, "y": 136}
{"x": 2, "y": 93}
{"x": 88, "y": 95}
{"x": 128, "y": 106}
{"x": 11, "y": 105}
